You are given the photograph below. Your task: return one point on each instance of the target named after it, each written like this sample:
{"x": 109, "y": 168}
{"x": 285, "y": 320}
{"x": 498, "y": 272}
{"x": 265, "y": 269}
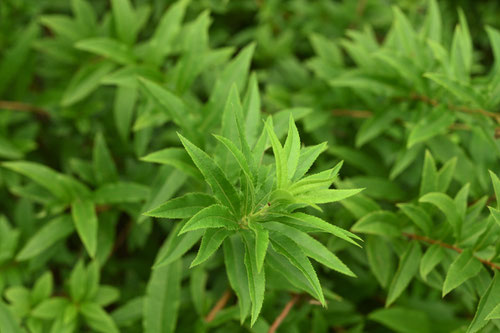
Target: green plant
{"x": 174, "y": 166}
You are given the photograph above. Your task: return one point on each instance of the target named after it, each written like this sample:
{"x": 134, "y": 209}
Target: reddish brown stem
{"x": 19, "y": 106}
{"x": 221, "y": 303}
{"x": 352, "y": 113}
{"x": 428, "y": 240}
{"x": 277, "y": 322}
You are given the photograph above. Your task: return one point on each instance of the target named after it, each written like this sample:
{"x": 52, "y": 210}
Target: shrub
{"x": 173, "y": 167}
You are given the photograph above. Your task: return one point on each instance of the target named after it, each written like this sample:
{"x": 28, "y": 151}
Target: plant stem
{"x": 277, "y": 322}
{"x": 428, "y": 240}
{"x": 221, "y": 303}
{"x": 19, "y": 106}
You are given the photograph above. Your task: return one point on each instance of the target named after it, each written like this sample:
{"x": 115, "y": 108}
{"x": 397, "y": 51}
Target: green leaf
{"x": 463, "y": 268}
{"x": 496, "y": 214}
{"x": 429, "y": 175}
{"x": 85, "y": 219}
{"x": 176, "y": 245}
{"x": 380, "y": 259}
{"x": 489, "y": 300}
{"x": 85, "y": 81}
{"x": 408, "y": 267}
{"x": 108, "y": 48}
{"x": 462, "y": 91}
{"x": 496, "y": 187}
{"x": 123, "y": 109}
{"x": 495, "y": 313}
{"x": 382, "y": 223}
{"x": 173, "y": 106}
{"x": 167, "y": 29}
{"x": 119, "y": 192}
{"x": 42, "y": 288}
{"x": 321, "y": 225}
{"x": 292, "y": 148}
{"x": 61, "y": 186}
{"x": 279, "y": 156}
{"x": 307, "y": 157}
{"x": 290, "y": 250}
{"x": 55, "y": 230}
{"x": 447, "y": 206}
{"x": 234, "y": 257}
{"x": 210, "y": 243}
{"x": 256, "y": 279}
{"x": 176, "y": 157}
{"x": 445, "y": 175}
{"x": 251, "y": 108}
{"x": 432, "y": 257}
{"x": 311, "y": 247}
{"x": 261, "y": 244}
{"x": 182, "y": 207}
{"x": 236, "y": 153}
{"x": 102, "y": 162}
{"x": 8, "y": 323}
{"x": 374, "y": 126}
{"x": 402, "y": 320}
{"x": 125, "y": 20}
{"x": 214, "y": 176}
{"x": 327, "y": 195}
{"x": 418, "y": 216}
{"x": 78, "y": 282}
{"x": 215, "y": 216}
{"x": 432, "y": 28}
{"x": 50, "y": 308}
{"x": 439, "y": 120}
{"x": 97, "y": 318}
{"x": 162, "y": 300}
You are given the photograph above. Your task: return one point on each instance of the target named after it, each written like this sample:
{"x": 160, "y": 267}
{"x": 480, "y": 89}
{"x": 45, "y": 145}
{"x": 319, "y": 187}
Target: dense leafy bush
{"x": 173, "y": 167}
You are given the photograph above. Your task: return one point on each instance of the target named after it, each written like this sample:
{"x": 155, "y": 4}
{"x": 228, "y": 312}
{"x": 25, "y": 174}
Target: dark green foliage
{"x": 174, "y": 166}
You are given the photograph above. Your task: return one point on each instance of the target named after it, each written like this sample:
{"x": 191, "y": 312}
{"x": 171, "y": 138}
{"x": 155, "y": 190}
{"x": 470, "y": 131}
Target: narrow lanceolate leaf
{"x": 321, "y": 225}
{"x": 234, "y": 257}
{"x": 161, "y": 303}
{"x": 176, "y": 157}
{"x": 380, "y": 259}
{"x": 328, "y": 195}
{"x": 465, "y": 267}
{"x": 237, "y": 154}
{"x": 215, "y": 216}
{"x": 495, "y": 313}
{"x": 429, "y": 175}
{"x": 85, "y": 219}
{"x": 436, "y": 123}
{"x": 408, "y": 267}
{"x": 121, "y": 192}
{"x": 496, "y": 187}
{"x": 382, "y": 223}
{"x": 8, "y": 322}
{"x": 279, "y": 156}
{"x": 176, "y": 245}
{"x": 55, "y": 230}
{"x": 292, "y": 148}
{"x": 214, "y": 176}
{"x": 418, "y": 216}
{"x": 261, "y": 243}
{"x": 170, "y": 103}
{"x": 61, "y": 186}
{"x": 256, "y": 279}
{"x": 85, "y": 81}
{"x": 496, "y": 214}
{"x": 102, "y": 162}
{"x": 125, "y": 21}
{"x": 307, "y": 157}
{"x": 311, "y": 247}
{"x": 289, "y": 249}
{"x": 97, "y": 318}
{"x": 489, "y": 300}
{"x": 182, "y": 207}
{"x": 108, "y": 48}
{"x": 447, "y": 206}
{"x": 403, "y": 320}
{"x": 432, "y": 257}
{"x": 211, "y": 241}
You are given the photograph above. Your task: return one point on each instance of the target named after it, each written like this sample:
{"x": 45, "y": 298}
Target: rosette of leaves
{"x": 256, "y": 212}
